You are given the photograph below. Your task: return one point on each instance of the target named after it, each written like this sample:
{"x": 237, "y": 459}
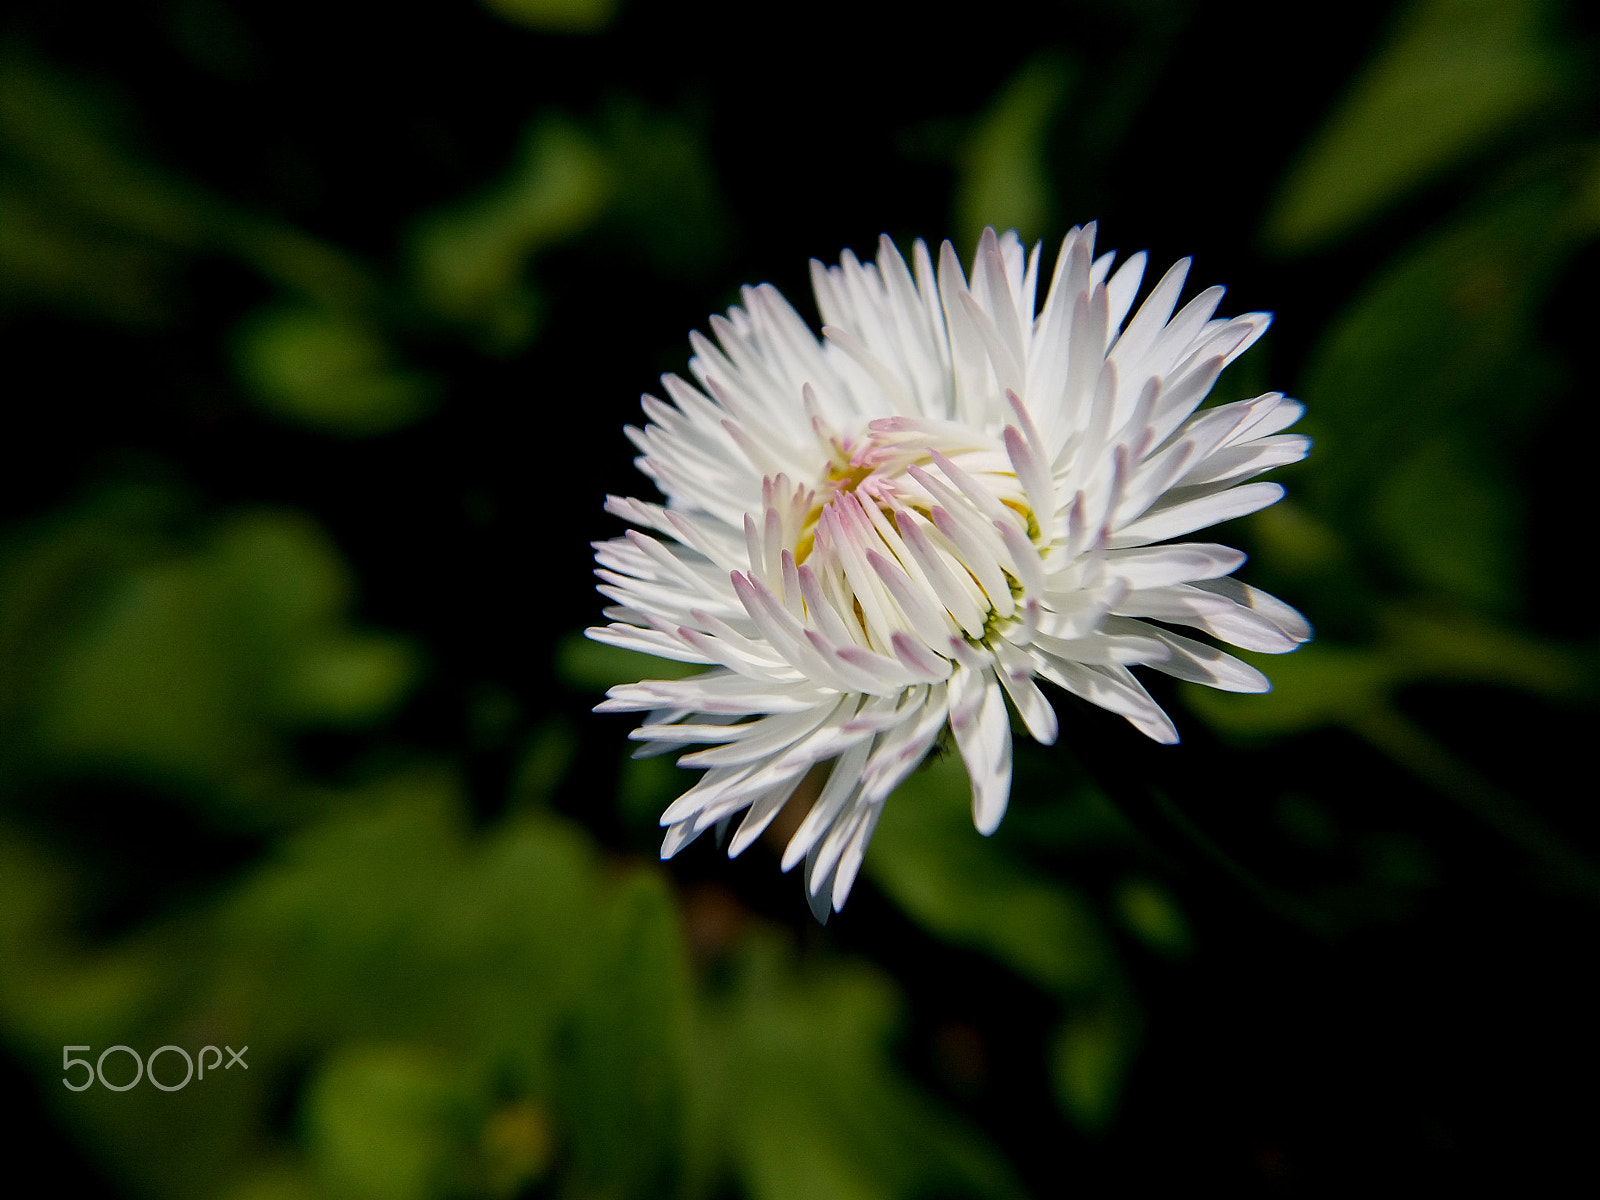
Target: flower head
{"x": 952, "y": 495}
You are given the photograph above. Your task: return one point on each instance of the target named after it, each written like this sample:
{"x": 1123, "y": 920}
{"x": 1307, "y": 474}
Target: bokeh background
{"x": 318, "y": 327}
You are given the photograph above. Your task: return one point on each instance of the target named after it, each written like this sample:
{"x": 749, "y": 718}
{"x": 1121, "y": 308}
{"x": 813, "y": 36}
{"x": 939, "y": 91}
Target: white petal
{"x": 1285, "y": 618}
{"x": 1161, "y": 523}
{"x": 1198, "y": 663}
{"x": 678, "y": 836}
{"x": 1157, "y": 566}
{"x": 1032, "y": 705}
{"x": 854, "y": 851}
{"x": 1235, "y": 463}
{"x": 759, "y": 816}
{"x": 983, "y": 735}
{"x": 1114, "y": 689}
{"x": 843, "y": 783}
{"x": 900, "y": 751}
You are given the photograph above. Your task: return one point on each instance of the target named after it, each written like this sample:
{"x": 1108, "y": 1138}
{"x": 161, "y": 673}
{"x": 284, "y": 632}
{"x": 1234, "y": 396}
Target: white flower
{"x": 943, "y": 501}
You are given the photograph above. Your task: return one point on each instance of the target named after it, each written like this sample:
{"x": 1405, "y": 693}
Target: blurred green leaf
{"x": 391, "y": 1123}
{"x": 140, "y": 691}
{"x": 1307, "y": 822}
{"x": 645, "y": 786}
{"x": 556, "y": 16}
{"x": 53, "y": 575}
{"x": 629, "y": 1051}
{"x": 1455, "y": 76}
{"x": 1431, "y": 338}
{"x": 84, "y": 224}
{"x": 331, "y": 373}
{"x": 1464, "y": 649}
{"x": 477, "y": 1010}
{"x": 50, "y": 994}
{"x": 70, "y": 138}
{"x": 967, "y": 890}
{"x": 92, "y": 224}
{"x": 187, "y": 665}
{"x": 1004, "y": 179}
{"x": 1148, "y": 911}
{"x": 386, "y": 922}
{"x": 544, "y": 763}
{"x": 1320, "y": 684}
{"x": 518, "y": 1146}
{"x": 665, "y": 199}
{"x": 469, "y": 261}
{"x": 1089, "y": 1060}
{"x": 1296, "y": 544}
{"x": 815, "y": 1109}
{"x": 1428, "y": 375}
{"x": 277, "y": 1181}
{"x": 58, "y": 988}
{"x": 333, "y": 280}
{"x": 348, "y": 678}
{"x": 1325, "y": 683}
{"x": 1451, "y": 517}
{"x": 1064, "y": 813}
{"x": 1399, "y": 861}
{"x": 329, "y": 926}
{"x": 1587, "y": 208}
{"x": 46, "y": 258}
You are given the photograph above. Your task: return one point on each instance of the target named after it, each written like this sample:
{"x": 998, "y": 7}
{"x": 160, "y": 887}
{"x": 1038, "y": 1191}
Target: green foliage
{"x": 628, "y": 1057}
{"x": 816, "y": 1110}
{"x": 468, "y": 261}
{"x": 389, "y": 1123}
{"x": 63, "y": 137}
{"x": 1004, "y": 179}
{"x": 1089, "y": 1060}
{"x": 44, "y": 258}
{"x": 100, "y": 228}
{"x": 1439, "y": 348}
{"x": 478, "y": 1008}
{"x": 543, "y": 763}
{"x": 1150, "y": 913}
{"x": 184, "y": 661}
{"x": 329, "y": 372}
{"x": 82, "y": 226}
{"x": 1331, "y": 684}
{"x": 1455, "y": 77}
{"x": 1450, "y": 517}
{"x": 1422, "y": 394}
{"x": 645, "y": 175}
{"x": 970, "y": 892}
{"x": 666, "y": 205}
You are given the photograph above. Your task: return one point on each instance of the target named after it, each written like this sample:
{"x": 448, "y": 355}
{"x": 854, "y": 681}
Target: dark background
{"x": 368, "y": 294}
